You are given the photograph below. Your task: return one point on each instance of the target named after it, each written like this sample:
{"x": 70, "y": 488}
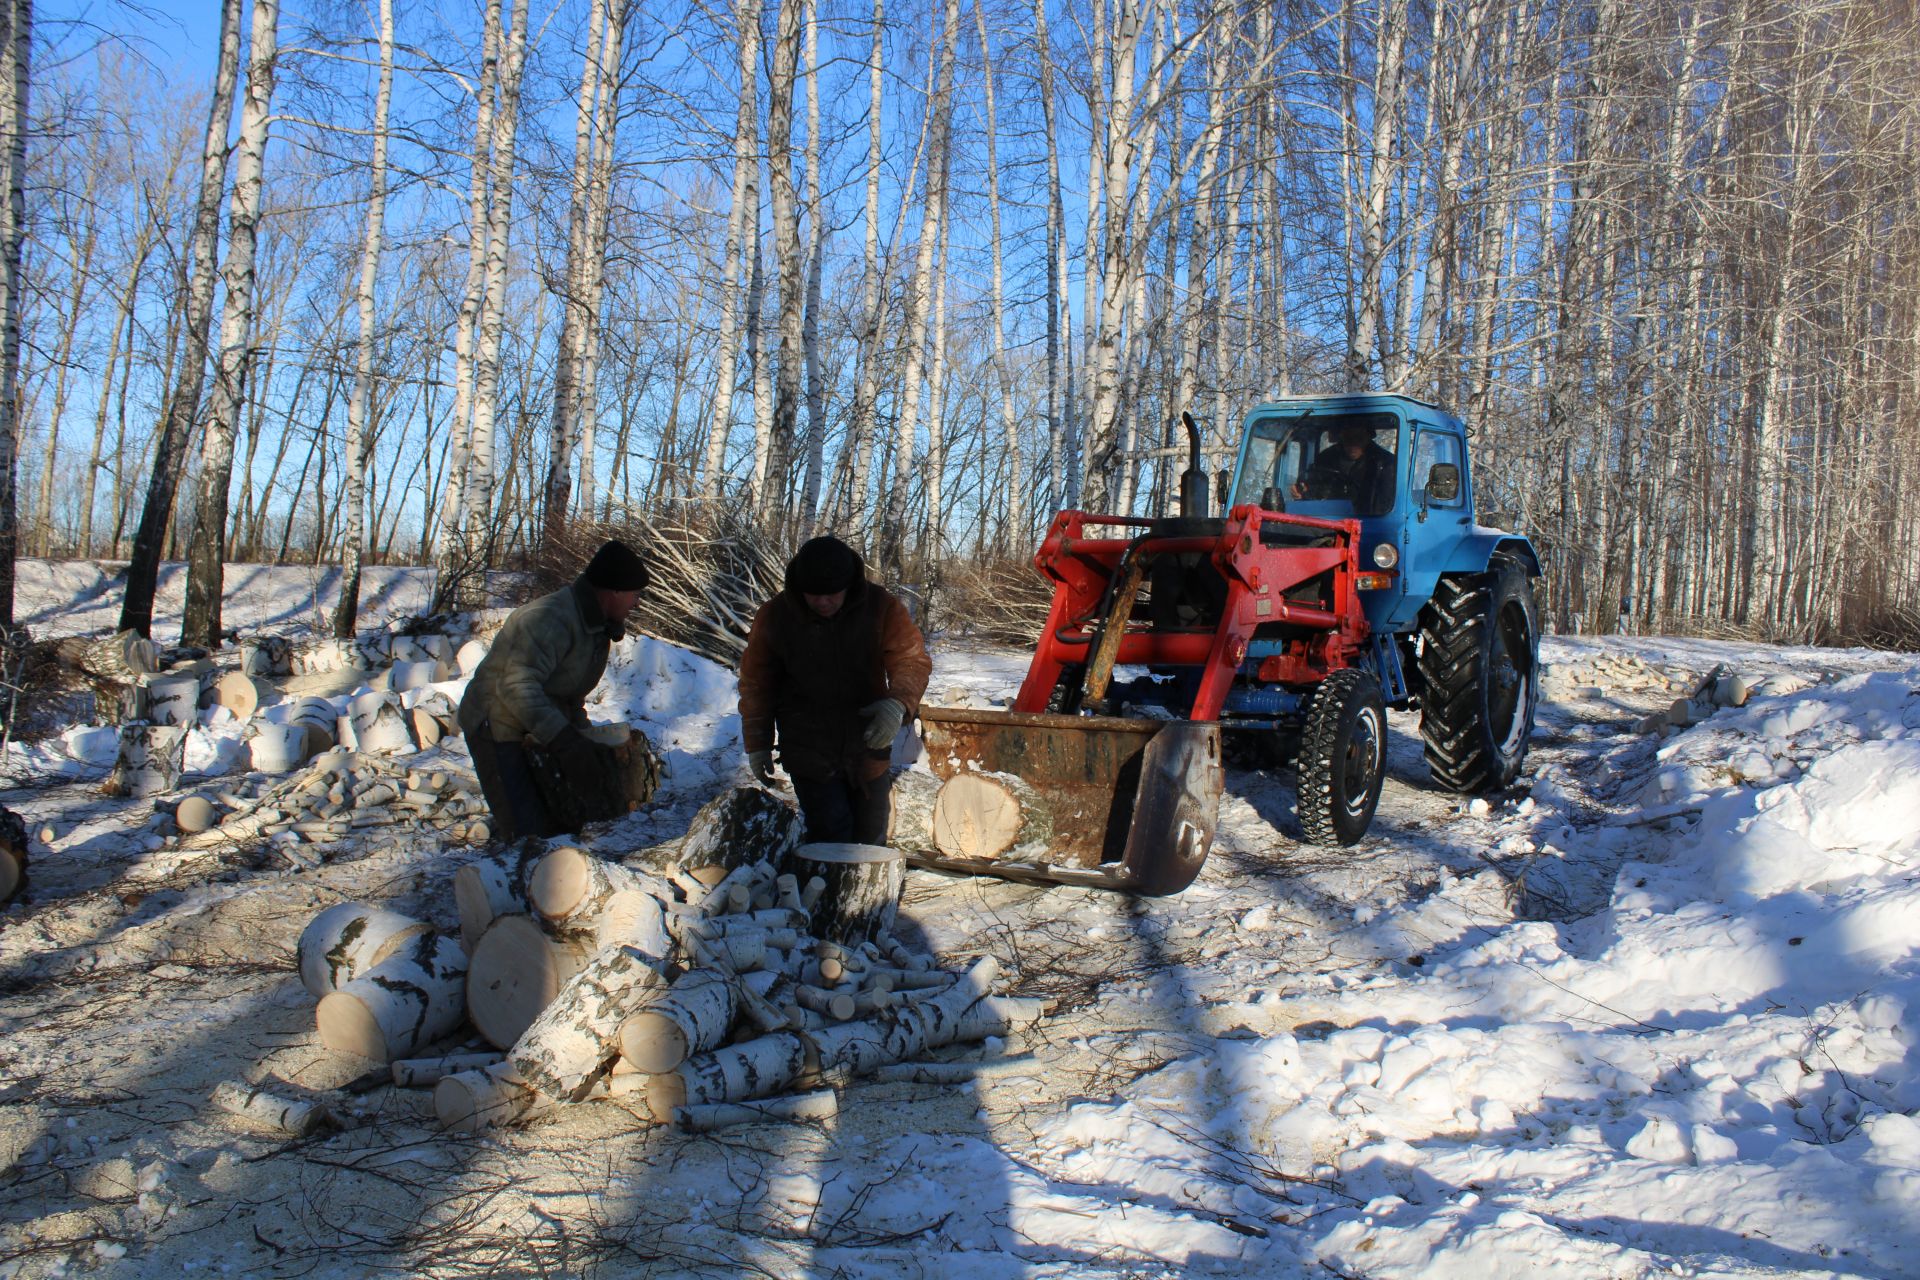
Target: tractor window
{"x": 1322, "y": 464}
{"x": 1432, "y": 447}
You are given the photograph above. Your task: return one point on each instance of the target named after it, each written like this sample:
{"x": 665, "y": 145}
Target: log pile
{"x": 344, "y": 796}
{"x": 713, "y": 982}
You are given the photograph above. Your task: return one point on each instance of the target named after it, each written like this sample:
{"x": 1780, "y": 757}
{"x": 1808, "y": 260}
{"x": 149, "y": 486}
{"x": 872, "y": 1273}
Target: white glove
{"x": 883, "y": 722}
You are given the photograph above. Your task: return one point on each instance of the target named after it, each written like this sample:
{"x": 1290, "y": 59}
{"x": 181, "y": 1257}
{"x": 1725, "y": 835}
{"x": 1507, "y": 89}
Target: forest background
{"x": 347, "y": 282}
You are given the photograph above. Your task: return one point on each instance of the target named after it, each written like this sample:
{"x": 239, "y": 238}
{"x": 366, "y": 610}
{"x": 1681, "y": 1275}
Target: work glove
{"x": 760, "y": 765}
{"x": 883, "y": 722}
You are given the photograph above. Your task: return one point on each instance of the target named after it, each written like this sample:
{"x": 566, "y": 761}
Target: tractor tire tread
{"x": 1459, "y": 751}
{"x": 1314, "y": 800}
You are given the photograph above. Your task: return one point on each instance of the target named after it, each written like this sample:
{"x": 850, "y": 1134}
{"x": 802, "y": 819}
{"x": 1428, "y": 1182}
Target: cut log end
{"x": 652, "y": 1042}
{"x": 515, "y": 972}
{"x": 12, "y": 874}
{"x": 348, "y": 1026}
{"x": 984, "y": 816}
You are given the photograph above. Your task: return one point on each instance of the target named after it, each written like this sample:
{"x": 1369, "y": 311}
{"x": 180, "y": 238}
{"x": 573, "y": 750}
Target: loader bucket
{"x": 1133, "y": 800}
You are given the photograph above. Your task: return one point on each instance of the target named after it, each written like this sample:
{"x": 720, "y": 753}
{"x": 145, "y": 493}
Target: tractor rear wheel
{"x": 1343, "y": 758}
{"x": 1479, "y": 661}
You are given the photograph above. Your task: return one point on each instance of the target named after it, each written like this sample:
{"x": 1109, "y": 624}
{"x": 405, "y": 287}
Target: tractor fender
{"x": 1474, "y": 552}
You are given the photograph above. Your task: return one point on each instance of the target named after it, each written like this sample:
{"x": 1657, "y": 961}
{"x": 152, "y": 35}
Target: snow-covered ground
{"x": 1652, "y": 1012}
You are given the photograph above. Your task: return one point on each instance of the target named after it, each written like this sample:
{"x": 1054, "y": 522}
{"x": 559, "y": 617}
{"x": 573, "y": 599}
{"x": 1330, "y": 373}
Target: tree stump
{"x": 861, "y": 893}
{"x": 347, "y": 940}
{"x": 405, "y": 1002}
{"x": 515, "y": 972}
{"x": 149, "y": 761}
{"x": 321, "y": 722}
{"x": 572, "y": 1044}
{"x": 746, "y": 825}
{"x": 173, "y": 700}
{"x": 910, "y": 825}
{"x": 13, "y": 854}
{"x": 984, "y": 815}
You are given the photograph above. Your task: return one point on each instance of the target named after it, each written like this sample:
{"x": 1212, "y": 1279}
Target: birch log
{"x": 418, "y": 1073}
{"x": 516, "y": 971}
{"x": 119, "y": 659}
{"x": 983, "y": 815}
{"x": 861, "y": 893}
{"x": 634, "y": 918}
{"x": 488, "y": 888}
{"x": 747, "y": 824}
{"x": 757, "y": 1068}
{"x": 569, "y": 888}
{"x": 149, "y": 760}
{"x": 295, "y": 1116}
{"x": 469, "y": 1101}
{"x": 408, "y": 1000}
{"x": 691, "y": 1016}
{"x": 910, "y": 825}
{"x": 570, "y": 1046}
{"x": 858, "y": 1047}
{"x": 821, "y": 1105}
{"x": 237, "y": 692}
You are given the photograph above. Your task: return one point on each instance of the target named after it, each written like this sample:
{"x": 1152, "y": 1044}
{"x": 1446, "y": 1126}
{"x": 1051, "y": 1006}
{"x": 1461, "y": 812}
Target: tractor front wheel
{"x": 1343, "y": 758}
{"x": 1479, "y": 661}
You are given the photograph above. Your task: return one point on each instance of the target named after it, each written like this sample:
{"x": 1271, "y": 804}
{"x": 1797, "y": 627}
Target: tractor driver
{"x": 1354, "y": 468}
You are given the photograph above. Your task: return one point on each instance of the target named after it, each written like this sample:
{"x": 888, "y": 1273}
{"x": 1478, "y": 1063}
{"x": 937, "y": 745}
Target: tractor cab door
{"x": 1438, "y": 511}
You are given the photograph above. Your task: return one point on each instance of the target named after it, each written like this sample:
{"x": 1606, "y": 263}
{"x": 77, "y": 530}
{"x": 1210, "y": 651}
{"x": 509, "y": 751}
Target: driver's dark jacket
{"x": 1366, "y": 481}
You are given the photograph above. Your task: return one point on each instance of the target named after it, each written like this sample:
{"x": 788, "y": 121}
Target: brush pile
{"x": 694, "y": 981}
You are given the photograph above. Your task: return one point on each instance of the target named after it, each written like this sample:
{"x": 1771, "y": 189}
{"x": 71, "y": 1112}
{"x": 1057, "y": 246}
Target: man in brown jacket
{"x": 834, "y": 666}
{"x": 530, "y": 692}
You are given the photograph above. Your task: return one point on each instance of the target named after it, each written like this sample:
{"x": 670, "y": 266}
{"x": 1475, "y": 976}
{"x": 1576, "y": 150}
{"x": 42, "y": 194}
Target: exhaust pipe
{"x": 1193, "y": 481}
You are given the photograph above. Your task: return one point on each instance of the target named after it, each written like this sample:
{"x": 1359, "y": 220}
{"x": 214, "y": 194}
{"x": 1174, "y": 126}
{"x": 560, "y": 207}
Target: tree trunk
{"x": 863, "y": 431}
{"x": 816, "y": 438}
{"x": 346, "y": 613}
{"x": 599, "y": 203}
{"x": 691, "y": 1016}
{"x": 788, "y": 259}
{"x": 743, "y": 227}
{"x": 912, "y": 801}
{"x": 1013, "y": 483}
{"x": 183, "y": 405}
{"x": 744, "y": 826}
{"x": 206, "y": 555}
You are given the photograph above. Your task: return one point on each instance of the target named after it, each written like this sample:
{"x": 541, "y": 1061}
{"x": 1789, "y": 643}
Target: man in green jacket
{"x": 530, "y": 691}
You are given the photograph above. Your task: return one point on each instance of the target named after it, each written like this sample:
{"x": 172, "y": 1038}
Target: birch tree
{"x": 743, "y": 223}
{"x": 16, "y": 61}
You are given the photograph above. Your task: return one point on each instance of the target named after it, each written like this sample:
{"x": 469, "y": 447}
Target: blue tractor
{"x": 1348, "y": 573}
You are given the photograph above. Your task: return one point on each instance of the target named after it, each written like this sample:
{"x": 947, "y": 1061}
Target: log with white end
{"x": 148, "y": 761}
{"x": 13, "y": 872}
{"x": 821, "y": 1105}
{"x": 469, "y": 1101}
{"x": 193, "y": 815}
{"x": 732, "y": 952}
{"x": 418, "y": 1073}
{"x": 634, "y": 918}
{"x": 569, "y": 1047}
{"x": 516, "y": 971}
{"x": 347, "y": 940}
{"x": 736, "y": 889}
{"x": 239, "y": 693}
{"x": 985, "y": 815}
{"x": 295, "y": 1116}
{"x": 407, "y": 1001}
{"x": 173, "y": 700}
{"x": 486, "y": 889}
{"x": 860, "y": 891}
{"x": 691, "y": 1016}
{"x": 569, "y": 887}
{"x": 757, "y": 1068}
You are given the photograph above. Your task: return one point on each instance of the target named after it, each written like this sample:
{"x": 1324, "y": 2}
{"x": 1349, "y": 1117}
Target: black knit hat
{"x": 823, "y": 566}
{"x": 615, "y": 567}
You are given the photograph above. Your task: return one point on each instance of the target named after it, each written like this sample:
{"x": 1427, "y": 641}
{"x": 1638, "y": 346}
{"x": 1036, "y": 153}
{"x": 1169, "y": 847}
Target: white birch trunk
{"x": 691, "y": 1016}
{"x": 402, "y": 1004}
{"x": 347, "y": 940}
{"x": 346, "y": 613}
{"x": 743, "y": 223}
{"x": 788, "y": 258}
{"x": 816, "y": 437}
{"x": 851, "y": 508}
{"x": 1013, "y": 495}
{"x": 207, "y": 551}
{"x": 571, "y": 1045}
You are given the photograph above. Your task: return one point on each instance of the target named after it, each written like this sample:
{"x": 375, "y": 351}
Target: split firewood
{"x": 691, "y": 1016}
{"x": 569, "y": 1047}
{"x": 860, "y": 892}
{"x": 747, "y": 824}
{"x": 408, "y": 1000}
{"x": 418, "y": 1073}
{"x": 913, "y": 795}
{"x": 736, "y": 889}
{"x": 822, "y": 1105}
{"x": 733, "y": 953}
{"x": 516, "y": 971}
{"x": 149, "y": 760}
{"x": 984, "y": 815}
{"x": 294, "y": 1116}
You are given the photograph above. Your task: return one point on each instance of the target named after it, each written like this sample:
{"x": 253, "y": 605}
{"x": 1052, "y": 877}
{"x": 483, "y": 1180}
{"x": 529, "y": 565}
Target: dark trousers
{"x": 506, "y": 781}
{"x": 843, "y": 810}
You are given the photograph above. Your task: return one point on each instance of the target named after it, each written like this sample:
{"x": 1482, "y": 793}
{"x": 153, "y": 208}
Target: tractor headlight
{"x": 1386, "y": 555}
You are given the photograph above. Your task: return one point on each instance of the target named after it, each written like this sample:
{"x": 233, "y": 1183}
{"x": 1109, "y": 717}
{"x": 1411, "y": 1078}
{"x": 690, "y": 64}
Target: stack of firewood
{"x": 726, "y": 969}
